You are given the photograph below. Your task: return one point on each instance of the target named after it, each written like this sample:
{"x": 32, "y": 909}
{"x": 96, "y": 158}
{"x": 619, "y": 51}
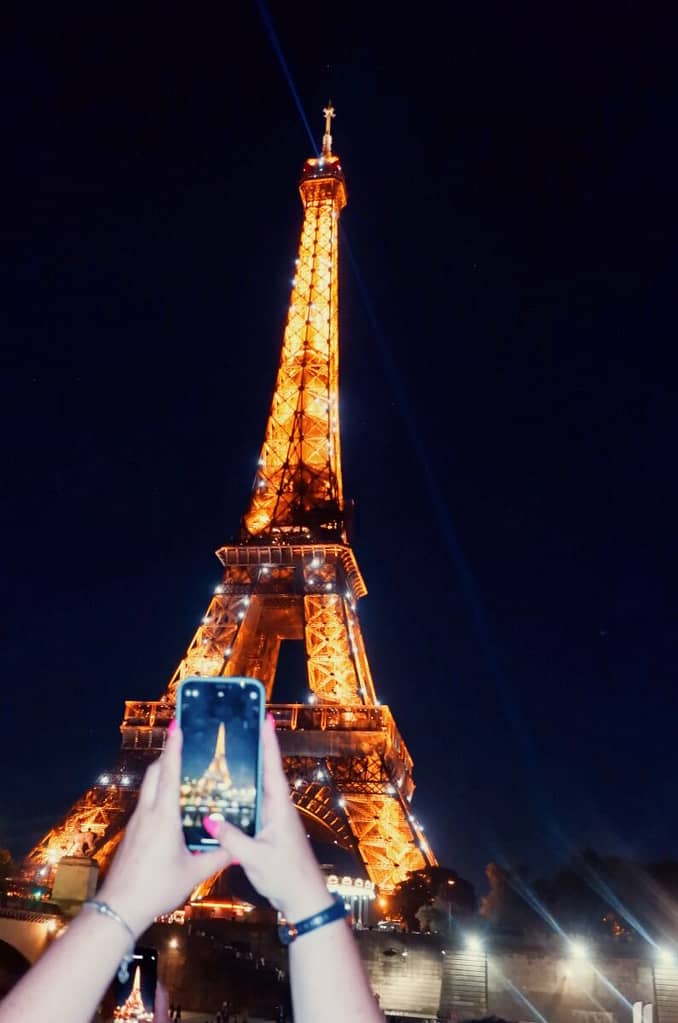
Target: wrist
{"x": 311, "y": 898}
{"x": 115, "y": 898}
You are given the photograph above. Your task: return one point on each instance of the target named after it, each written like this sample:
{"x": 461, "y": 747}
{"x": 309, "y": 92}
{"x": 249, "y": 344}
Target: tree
{"x": 442, "y": 896}
{"x": 7, "y": 869}
{"x": 507, "y": 905}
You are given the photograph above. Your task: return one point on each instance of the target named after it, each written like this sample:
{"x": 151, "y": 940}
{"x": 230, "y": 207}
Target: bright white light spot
{"x": 319, "y": 775}
{"x": 42, "y": 871}
{"x": 666, "y": 956}
{"x": 311, "y": 697}
{"x": 125, "y": 780}
{"x": 579, "y": 950}
{"x": 315, "y": 563}
{"x": 219, "y": 588}
{"x": 173, "y": 943}
{"x": 298, "y": 783}
{"x": 342, "y": 803}
{"x": 246, "y": 601}
{"x": 474, "y": 943}
{"x": 206, "y": 620}
{"x": 104, "y": 779}
{"x": 328, "y": 586}
{"x": 390, "y": 789}
{"x": 228, "y": 651}
{"x": 240, "y": 615}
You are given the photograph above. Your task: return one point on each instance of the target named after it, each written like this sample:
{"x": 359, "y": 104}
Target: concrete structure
{"x": 75, "y": 880}
{"x": 415, "y": 976}
{"x": 419, "y": 976}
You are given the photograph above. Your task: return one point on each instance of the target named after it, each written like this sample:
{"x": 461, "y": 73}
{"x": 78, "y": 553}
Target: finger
{"x": 237, "y": 844}
{"x": 205, "y": 865}
{"x": 161, "y": 1006}
{"x": 276, "y": 787}
{"x": 170, "y": 770}
{"x": 149, "y": 786}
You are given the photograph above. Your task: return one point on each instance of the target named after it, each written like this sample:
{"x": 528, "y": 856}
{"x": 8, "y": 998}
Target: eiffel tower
{"x": 292, "y": 576}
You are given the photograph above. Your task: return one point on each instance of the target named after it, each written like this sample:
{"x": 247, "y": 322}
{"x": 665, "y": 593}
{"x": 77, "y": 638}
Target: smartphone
{"x": 135, "y": 998}
{"x": 221, "y": 721}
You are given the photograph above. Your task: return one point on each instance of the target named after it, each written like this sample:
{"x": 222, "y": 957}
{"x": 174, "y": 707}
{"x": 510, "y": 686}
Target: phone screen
{"x": 134, "y": 999}
{"x": 221, "y": 757}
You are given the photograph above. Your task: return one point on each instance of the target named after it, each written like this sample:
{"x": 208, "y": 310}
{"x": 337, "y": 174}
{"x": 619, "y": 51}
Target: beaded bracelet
{"x": 105, "y": 910}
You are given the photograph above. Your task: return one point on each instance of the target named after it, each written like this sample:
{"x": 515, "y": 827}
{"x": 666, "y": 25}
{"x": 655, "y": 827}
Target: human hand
{"x": 278, "y": 861}
{"x": 153, "y": 871}
{"x": 161, "y": 1007}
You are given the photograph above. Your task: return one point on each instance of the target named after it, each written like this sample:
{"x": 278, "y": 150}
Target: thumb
{"x": 204, "y": 865}
{"x": 237, "y": 844}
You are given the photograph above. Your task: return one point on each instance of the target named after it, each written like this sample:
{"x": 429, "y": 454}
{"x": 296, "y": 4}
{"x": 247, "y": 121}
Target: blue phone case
{"x": 216, "y": 781}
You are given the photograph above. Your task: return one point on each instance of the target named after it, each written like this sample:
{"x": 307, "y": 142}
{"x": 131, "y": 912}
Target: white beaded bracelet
{"x": 105, "y": 910}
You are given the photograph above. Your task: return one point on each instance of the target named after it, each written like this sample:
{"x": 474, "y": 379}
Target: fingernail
{"x": 234, "y": 863}
{"x": 271, "y": 719}
{"x": 172, "y": 727}
{"x": 211, "y": 826}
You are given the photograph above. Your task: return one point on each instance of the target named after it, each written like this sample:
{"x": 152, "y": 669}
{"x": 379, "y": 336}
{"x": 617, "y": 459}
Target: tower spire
{"x": 297, "y": 493}
{"x": 329, "y": 113}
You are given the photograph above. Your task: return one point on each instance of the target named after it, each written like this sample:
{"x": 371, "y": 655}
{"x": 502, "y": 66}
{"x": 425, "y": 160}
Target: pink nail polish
{"x": 172, "y": 727}
{"x": 269, "y": 717}
{"x": 234, "y": 863}
{"x": 211, "y": 826}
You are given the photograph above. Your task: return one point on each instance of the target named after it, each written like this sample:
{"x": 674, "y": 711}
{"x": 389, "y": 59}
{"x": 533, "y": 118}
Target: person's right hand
{"x": 278, "y": 861}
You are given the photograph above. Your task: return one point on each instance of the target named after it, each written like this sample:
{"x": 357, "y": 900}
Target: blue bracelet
{"x": 288, "y": 932}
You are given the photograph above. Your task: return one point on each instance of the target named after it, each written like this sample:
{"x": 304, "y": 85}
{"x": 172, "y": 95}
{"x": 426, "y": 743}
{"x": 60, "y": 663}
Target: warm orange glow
{"x": 240, "y": 908}
{"x": 292, "y": 576}
{"x": 299, "y": 473}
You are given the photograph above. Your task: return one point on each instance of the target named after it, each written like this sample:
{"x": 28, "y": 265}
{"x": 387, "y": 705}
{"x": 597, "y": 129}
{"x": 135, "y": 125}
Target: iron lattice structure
{"x": 292, "y": 576}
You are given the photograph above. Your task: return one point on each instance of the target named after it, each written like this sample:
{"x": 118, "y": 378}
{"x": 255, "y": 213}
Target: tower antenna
{"x": 329, "y": 113}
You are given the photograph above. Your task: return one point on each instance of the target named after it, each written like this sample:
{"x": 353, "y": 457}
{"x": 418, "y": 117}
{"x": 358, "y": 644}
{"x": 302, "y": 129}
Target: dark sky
{"x": 508, "y": 384}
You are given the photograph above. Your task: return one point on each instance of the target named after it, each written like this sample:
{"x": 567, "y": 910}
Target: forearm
{"x": 68, "y": 982}
{"x": 328, "y": 979}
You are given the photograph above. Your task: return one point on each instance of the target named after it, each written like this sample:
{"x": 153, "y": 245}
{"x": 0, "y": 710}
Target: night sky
{"x": 508, "y": 383}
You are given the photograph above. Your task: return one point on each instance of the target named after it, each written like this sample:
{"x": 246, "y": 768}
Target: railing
{"x": 145, "y": 724}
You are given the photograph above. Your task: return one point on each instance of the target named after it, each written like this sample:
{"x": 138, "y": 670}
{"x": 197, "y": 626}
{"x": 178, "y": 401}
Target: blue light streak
{"x": 277, "y": 49}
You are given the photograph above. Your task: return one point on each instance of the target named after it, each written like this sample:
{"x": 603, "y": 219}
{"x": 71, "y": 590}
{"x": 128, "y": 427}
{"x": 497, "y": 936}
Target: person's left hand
{"x": 153, "y": 871}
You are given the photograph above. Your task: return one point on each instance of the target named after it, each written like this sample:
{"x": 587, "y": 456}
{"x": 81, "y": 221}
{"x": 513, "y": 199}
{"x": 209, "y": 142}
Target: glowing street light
{"x": 474, "y": 943}
{"x": 666, "y": 956}
{"x": 579, "y": 950}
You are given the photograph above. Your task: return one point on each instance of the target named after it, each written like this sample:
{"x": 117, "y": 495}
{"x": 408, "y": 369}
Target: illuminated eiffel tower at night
{"x": 293, "y": 576}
